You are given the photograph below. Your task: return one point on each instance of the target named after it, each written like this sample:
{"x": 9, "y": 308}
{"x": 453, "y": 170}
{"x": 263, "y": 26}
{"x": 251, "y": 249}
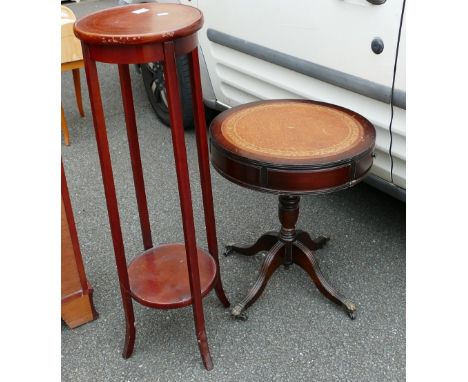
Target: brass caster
{"x": 351, "y": 310}
{"x": 237, "y": 313}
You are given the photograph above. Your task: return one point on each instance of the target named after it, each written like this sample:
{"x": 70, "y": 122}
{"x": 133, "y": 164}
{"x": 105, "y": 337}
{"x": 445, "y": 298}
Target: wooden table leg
{"x": 264, "y": 243}
{"x": 271, "y": 263}
{"x": 180, "y": 155}
{"x": 77, "y": 84}
{"x": 204, "y": 166}
{"x": 66, "y": 134}
{"x": 111, "y": 198}
{"x": 137, "y": 169}
{"x": 305, "y": 258}
{"x": 313, "y": 244}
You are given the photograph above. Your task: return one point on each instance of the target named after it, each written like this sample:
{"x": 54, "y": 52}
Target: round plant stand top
{"x": 139, "y": 24}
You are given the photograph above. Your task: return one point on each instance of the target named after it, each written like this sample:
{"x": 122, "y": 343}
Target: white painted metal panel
{"x": 336, "y": 34}
{"x": 399, "y": 117}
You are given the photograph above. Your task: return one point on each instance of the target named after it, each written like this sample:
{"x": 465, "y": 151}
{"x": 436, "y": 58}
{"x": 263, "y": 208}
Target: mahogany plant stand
{"x": 171, "y": 275}
{"x": 291, "y": 148}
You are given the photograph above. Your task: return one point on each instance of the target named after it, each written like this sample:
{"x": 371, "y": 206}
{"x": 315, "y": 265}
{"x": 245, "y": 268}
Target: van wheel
{"x": 153, "y": 79}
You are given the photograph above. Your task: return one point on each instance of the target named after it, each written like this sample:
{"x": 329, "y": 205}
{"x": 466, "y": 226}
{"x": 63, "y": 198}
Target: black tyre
{"x": 153, "y": 79}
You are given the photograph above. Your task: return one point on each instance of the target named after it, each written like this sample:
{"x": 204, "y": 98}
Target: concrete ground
{"x": 293, "y": 333}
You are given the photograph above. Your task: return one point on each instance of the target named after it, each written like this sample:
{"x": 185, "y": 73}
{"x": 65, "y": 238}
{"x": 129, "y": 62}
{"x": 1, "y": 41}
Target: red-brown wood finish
{"x": 138, "y": 24}
{"x": 293, "y": 174}
{"x": 137, "y": 169}
{"x": 204, "y": 166}
{"x": 159, "y": 276}
{"x": 291, "y": 147}
{"x": 274, "y": 131}
{"x": 180, "y": 155}
{"x": 172, "y": 275}
{"x": 111, "y": 198}
{"x": 128, "y": 54}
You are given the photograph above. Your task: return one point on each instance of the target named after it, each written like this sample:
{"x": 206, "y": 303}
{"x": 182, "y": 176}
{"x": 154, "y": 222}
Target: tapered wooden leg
{"x": 129, "y": 343}
{"x": 264, "y": 243}
{"x": 312, "y": 244}
{"x": 272, "y": 261}
{"x": 66, "y": 134}
{"x": 204, "y": 166}
{"x": 137, "y": 169}
{"x": 77, "y": 84}
{"x": 111, "y": 198}
{"x": 305, "y": 258}
{"x": 180, "y": 155}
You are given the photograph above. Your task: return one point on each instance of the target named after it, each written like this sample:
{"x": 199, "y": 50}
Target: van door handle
{"x": 377, "y": 2}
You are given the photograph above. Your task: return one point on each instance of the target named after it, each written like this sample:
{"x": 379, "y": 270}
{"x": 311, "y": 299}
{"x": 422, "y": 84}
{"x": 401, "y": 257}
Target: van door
{"x": 398, "y": 129}
{"x": 314, "y": 49}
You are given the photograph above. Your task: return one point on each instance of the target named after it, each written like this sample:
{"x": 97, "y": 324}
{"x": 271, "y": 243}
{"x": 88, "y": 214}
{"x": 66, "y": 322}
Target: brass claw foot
{"x": 238, "y": 314}
{"x": 351, "y": 310}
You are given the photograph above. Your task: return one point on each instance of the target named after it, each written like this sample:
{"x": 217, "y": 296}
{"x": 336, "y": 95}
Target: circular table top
{"x": 138, "y": 24}
{"x": 292, "y": 146}
{"x": 293, "y": 132}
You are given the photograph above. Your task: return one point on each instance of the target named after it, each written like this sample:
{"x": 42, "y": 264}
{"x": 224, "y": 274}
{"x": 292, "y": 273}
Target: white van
{"x": 346, "y": 52}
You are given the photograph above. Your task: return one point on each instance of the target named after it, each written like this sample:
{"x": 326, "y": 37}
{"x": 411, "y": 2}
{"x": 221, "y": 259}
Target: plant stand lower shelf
{"x": 159, "y": 276}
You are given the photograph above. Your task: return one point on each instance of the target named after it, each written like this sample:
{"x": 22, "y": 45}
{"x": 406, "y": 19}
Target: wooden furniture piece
{"x": 72, "y": 59}
{"x": 291, "y": 147}
{"x": 77, "y": 294}
{"x": 172, "y": 275}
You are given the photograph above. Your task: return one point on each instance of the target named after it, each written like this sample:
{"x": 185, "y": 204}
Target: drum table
{"x": 171, "y": 275}
{"x": 290, "y": 148}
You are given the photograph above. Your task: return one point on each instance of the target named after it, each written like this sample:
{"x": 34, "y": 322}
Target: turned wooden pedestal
{"x": 290, "y": 148}
{"x": 288, "y": 246}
